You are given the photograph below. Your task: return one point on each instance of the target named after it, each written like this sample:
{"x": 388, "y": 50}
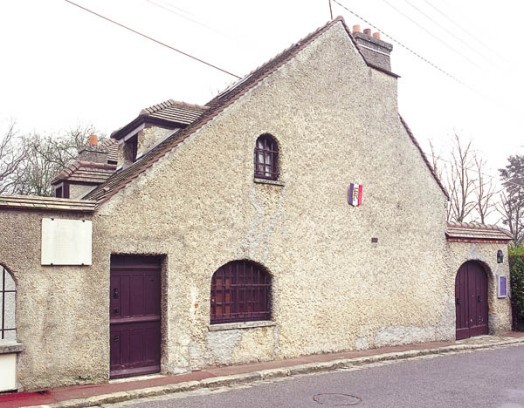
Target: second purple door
{"x": 471, "y": 300}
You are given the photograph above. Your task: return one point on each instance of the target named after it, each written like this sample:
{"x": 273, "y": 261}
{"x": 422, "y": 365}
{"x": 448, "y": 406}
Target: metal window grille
{"x": 7, "y": 305}
{"x": 240, "y": 292}
{"x": 266, "y": 158}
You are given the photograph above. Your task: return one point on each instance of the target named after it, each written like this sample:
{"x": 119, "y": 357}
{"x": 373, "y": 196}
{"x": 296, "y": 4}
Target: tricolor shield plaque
{"x": 355, "y": 194}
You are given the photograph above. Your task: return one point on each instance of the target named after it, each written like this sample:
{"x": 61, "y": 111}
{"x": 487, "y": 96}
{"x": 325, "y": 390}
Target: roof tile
{"x": 17, "y": 202}
{"x": 473, "y": 232}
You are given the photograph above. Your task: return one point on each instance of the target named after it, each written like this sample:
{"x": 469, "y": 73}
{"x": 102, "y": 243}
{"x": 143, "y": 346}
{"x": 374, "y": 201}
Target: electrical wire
{"x": 169, "y": 9}
{"x": 153, "y": 39}
{"x": 432, "y": 35}
{"x": 432, "y": 64}
{"x": 463, "y": 29}
{"x": 412, "y": 51}
{"x": 445, "y": 29}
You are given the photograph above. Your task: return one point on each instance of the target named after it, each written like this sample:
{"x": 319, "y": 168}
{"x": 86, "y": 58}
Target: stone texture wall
{"x": 77, "y": 191}
{"x": 458, "y": 253}
{"x": 61, "y": 310}
{"x": 336, "y": 122}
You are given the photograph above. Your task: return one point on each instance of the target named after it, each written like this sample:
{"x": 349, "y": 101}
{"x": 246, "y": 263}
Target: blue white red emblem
{"x": 355, "y": 194}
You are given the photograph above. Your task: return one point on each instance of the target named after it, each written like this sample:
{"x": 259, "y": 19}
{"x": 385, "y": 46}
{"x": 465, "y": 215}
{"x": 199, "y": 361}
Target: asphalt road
{"x": 488, "y": 378}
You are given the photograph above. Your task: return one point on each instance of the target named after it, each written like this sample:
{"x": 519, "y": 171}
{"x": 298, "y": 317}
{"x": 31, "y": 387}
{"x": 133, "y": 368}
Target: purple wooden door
{"x": 134, "y": 315}
{"x": 471, "y": 299}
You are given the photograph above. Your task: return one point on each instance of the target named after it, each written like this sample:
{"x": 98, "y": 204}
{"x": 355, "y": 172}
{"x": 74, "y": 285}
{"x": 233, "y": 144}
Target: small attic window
{"x": 62, "y": 190}
{"x": 131, "y": 149}
{"x": 266, "y": 157}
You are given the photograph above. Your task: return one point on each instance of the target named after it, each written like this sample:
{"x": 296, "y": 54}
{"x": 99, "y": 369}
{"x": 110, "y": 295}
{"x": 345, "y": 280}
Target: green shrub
{"x": 516, "y": 267}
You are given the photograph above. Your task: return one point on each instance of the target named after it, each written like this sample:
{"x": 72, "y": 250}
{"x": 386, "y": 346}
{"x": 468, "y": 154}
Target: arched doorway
{"x": 471, "y": 300}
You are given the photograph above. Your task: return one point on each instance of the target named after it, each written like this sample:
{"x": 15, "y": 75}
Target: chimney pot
{"x": 356, "y": 28}
{"x": 92, "y": 140}
{"x": 376, "y": 35}
{"x": 367, "y": 31}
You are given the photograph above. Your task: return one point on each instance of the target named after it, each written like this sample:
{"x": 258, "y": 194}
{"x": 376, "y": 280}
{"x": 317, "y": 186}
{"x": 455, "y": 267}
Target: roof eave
{"x": 145, "y": 120}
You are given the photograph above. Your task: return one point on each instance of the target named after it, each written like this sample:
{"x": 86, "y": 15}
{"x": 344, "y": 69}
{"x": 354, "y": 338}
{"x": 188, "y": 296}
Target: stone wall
{"x": 62, "y": 319}
{"x": 486, "y": 254}
{"x": 336, "y": 122}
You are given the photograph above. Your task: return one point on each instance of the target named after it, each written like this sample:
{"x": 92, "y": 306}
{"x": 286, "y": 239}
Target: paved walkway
{"x": 148, "y": 386}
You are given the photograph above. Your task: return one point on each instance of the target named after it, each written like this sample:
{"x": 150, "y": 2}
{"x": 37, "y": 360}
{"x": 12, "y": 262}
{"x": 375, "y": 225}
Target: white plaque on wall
{"x": 66, "y": 242}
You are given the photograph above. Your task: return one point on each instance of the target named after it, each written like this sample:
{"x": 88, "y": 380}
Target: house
{"x": 293, "y": 214}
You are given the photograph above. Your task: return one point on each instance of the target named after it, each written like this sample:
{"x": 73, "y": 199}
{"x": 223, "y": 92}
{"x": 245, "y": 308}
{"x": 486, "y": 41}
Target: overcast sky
{"x": 63, "y": 67}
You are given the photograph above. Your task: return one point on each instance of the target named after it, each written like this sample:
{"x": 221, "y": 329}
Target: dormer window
{"x": 130, "y": 150}
{"x": 266, "y": 158}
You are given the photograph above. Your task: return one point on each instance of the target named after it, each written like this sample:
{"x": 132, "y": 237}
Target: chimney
{"x": 375, "y": 51}
{"x": 93, "y": 152}
{"x": 92, "y": 140}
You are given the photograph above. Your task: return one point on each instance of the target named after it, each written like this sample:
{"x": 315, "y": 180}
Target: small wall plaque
{"x": 66, "y": 242}
{"x": 355, "y": 194}
{"x": 502, "y": 286}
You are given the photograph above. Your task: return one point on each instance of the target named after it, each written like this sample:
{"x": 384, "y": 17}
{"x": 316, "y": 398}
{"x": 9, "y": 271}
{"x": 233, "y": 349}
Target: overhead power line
{"x": 153, "y": 39}
{"x": 183, "y": 14}
{"x": 412, "y": 51}
{"x": 459, "y": 26}
{"x": 431, "y": 34}
{"x": 452, "y": 34}
{"x": 492, "y": 101}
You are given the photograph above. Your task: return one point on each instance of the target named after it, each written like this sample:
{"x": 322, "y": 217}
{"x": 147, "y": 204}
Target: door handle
{"x": 116, "y": 338}
{"x": 115, "y": 293}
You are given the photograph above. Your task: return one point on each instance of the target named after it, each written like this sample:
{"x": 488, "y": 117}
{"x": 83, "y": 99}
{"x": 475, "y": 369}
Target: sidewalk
{"x": 149, "y": 386}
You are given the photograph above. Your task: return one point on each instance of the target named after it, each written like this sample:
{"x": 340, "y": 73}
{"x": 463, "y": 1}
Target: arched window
{"x": 266, "y": 157}
{"x": 240, "y": 292}
{"x": 7, "y": 306}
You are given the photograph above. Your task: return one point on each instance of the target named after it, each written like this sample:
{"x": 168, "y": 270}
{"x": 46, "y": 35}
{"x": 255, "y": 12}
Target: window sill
{"x": 241, "y": 325}
{"x": 267, "y": 181}
{"x": 10, "y": 347}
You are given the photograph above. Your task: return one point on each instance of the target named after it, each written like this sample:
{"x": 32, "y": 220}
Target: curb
{"x": 262, "y": 375}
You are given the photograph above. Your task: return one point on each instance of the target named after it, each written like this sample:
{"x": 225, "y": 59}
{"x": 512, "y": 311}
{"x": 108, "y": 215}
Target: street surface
{"x": 487, "y": 378}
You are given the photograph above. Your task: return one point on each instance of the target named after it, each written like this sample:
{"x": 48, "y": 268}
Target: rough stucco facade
{"x": 198, "y": 207}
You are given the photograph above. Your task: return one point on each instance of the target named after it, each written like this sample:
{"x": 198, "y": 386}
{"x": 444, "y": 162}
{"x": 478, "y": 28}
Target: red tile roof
{"x": 86, "y": 172}
{"x": 112, "y": 148}
{"x": 16, "y": 202}
{"x": 179, "y": 112}
{"x": 472, "y": 232}
{"x": 214, "y": 107}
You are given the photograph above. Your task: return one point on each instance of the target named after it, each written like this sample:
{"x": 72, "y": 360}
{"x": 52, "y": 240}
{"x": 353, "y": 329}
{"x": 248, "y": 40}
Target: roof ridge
{"x": 474, "y": 225}
{"x": 300, "y": 43}
{"x": 157, "y": 107}
{"x": 215, "y": 106}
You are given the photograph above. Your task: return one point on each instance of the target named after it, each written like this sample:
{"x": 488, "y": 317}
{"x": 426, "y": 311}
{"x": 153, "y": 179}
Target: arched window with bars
{"x": 240, "y": 292}
{"x": 266, "y": 157}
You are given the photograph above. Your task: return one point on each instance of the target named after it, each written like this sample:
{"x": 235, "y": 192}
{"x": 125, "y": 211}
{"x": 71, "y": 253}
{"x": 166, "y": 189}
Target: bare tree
{"x": 460, "y": 183}
{"x": 512, "y": 202}
{"x": 12, "y": 154}
{"x": 39, "y": 160}
{"x": 484, "y": 192}
{"x": 462, "y": 171}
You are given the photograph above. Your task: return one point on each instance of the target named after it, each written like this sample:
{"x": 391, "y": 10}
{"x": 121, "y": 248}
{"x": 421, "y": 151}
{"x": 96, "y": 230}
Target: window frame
{"x": 266, "y": 158}
{"x": 240, "y": 292}
{"x": 3, "y": 291}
